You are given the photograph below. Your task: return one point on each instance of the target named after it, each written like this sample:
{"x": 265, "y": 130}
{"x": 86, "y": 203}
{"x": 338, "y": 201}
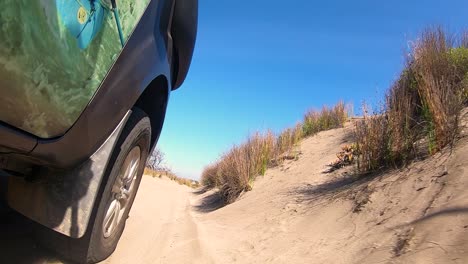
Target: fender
{"x": 64, "y": 200}
{"x": 184, "y": 33}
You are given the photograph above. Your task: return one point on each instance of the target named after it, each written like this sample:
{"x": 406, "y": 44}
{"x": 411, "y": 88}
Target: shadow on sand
{"x": 209, "y": 203}
{"x": 453, "y": 211}
{"x": 335, "y": 188}
{"x": 17, "y": 236}
{"x": 17, "y": 240}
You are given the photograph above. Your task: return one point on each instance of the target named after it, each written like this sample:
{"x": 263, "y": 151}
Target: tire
{"x": 99, "y": 241}
{"x": 135, "y": 139}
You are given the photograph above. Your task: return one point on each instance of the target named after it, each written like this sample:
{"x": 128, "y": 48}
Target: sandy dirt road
{"x": 161, "y": 228}
{"x": 294, "y": 214}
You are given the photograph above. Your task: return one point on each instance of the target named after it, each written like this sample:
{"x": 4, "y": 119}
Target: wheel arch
{"x": 153, "y": 101}
{"x": 184, "y": 33}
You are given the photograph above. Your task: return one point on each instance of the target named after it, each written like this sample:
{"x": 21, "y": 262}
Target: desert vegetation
{"x": 420, "y": 113}
{"x": 236, "y": 170}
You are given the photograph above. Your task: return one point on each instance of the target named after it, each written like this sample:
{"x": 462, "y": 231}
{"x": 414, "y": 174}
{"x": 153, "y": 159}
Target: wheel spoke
{"x": 117, "y": 185}
{"x": 121, "y": 192}
{"x": 116, "y": 217}
{"x": 132, "y": 171}
{"x": 109, "y": 218}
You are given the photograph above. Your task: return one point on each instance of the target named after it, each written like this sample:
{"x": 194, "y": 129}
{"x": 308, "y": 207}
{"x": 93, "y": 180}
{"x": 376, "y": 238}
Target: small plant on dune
{"x": 345, "y": 157}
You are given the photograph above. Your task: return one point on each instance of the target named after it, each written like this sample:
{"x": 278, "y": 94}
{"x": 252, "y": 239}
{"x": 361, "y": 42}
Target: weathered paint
{"x": 54, "y": 55}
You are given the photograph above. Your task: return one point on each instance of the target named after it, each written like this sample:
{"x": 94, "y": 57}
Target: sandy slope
{"x": 297, "y": 214}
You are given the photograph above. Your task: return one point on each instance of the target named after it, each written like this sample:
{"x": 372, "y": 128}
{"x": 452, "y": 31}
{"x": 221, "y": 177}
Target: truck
{"x": 84, "y": 88}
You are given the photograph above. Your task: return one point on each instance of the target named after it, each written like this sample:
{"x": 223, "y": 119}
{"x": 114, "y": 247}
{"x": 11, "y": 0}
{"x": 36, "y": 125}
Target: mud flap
{"x": 64, "y": 200}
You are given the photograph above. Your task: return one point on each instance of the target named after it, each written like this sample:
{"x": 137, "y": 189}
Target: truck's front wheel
{"x": 114, "y": 200}
{"x": 123, "y": 179}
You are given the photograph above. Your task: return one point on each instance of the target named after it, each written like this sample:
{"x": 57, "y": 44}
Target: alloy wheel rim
{"x": 122, "y": 191}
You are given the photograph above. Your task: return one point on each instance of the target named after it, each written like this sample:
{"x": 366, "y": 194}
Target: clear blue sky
{"x": 261, "y": 64}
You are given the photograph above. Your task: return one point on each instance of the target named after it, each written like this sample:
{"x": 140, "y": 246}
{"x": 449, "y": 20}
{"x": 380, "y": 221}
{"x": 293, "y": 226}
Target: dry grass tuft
{"x": 236, "y": 169}
{"x": 210, "y": 176}
{"x": 437, "y": 82}
{"x": 422, "y": 106}
{"x": 327, "y": 118}
{"x": 371, "y": 135}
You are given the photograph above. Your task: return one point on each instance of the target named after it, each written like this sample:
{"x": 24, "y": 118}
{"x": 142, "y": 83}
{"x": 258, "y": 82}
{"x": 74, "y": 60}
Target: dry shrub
{"x": 235, "y": 171}
{"x": 423, "y": 105}
{"x": 459, "y": 57}
{"x": 345, "y": 157}
{"x": 209, "y": 177}
{"x": 402, "y": 116}
{"x": 371, "y": 135}
{"x": 285, "y": 140}
{"x": 262, "y": 152}
{"x": 437, "y": 82}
